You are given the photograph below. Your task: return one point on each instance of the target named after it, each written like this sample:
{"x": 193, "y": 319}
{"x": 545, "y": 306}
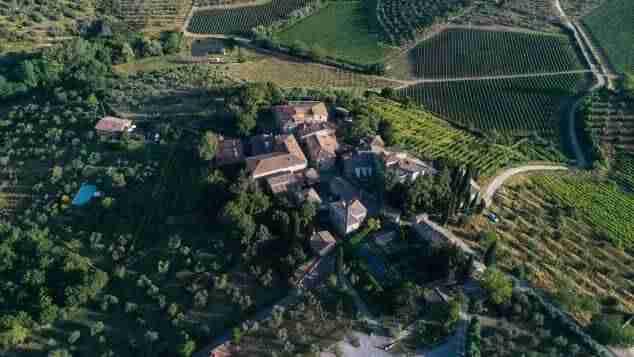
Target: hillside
{"x": 511, "y": 106}
{"x": 612, "y": 25}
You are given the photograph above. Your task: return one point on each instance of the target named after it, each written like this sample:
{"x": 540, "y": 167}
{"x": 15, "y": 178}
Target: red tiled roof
{"x": 112, "y": 124}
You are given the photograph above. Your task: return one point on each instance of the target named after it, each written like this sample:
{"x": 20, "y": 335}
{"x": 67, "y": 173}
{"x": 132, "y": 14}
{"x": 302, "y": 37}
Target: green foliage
{"x": 186, "y": 346}
{"x": 151, "y": 48}
{"x": 420, "y": 14}
{"x": 601, "y": 203}
{"x": 208, "y": 146}
{"x": 247, "y": 102}
{"x": 490, "y": 254}
{"x": 498, "y": 286}
{"x": 172, "y": 42}
{"x": 610, "y": 330}
{"x": 474, "y": 338}
{"x": 13, "y": 330}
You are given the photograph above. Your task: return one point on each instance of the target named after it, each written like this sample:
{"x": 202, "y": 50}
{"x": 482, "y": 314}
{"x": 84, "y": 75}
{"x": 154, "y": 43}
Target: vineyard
{"x": 288, "y": 73}
{"x": 612, "y": 25}
{"x": 432, "y": 138}
{"x": 241, "y": 20}
{"x": 554, "y": 243}
{"x": 520, "y": 106}
{"x": 603, "y": 204}
{"x": 464, "y": 53}
{"x": 623, "y": 170}
{"x": 325, "y": 30}
{"x": 400, "y": 20}
{"x": 609, "y": 119}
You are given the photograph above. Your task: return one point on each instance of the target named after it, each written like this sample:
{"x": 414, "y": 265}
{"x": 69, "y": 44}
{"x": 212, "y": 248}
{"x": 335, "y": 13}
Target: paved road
{"x": 504, "y": 176}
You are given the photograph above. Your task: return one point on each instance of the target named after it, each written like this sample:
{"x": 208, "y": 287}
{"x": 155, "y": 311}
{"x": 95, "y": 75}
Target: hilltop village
{"x": 316, "y": 178}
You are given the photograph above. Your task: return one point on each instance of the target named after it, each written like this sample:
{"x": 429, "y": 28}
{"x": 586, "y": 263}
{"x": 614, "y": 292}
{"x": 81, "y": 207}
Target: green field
{"x": 521, "y": 106}
{"x": 342, "y": 30}
{"x": 612, "y": 25}
{"x": 604, "y": 205}
{"x": 432, "y": 138}
{"x": 464, "y": 53}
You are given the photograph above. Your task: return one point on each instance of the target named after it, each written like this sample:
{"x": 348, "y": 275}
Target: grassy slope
{"x": 464, "y": 53}
{"x": 612, "y": 25}
{"x": 342, "y": 30}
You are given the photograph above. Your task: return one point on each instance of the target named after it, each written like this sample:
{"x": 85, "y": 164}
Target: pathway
{"x": 482, "y": 78}
{"x": 499, "y": 180}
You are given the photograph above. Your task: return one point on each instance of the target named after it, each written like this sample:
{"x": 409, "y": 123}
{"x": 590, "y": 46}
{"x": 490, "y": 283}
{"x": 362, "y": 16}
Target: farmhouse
{"x": 275, "y": 155}
{"x": 322, "y": 243}
{"x": 209, "y": 46}
{"x": 347, "y": 216}
{"x": 111, "y": 126}
{"x": 406, "y": 167}
{"x": 293, "y": 114}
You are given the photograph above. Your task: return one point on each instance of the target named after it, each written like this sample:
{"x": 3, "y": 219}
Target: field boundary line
{"x": 487, "y": 78}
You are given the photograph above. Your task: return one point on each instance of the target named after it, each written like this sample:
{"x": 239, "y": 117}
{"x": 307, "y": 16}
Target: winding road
{"x": 499, "y": 180}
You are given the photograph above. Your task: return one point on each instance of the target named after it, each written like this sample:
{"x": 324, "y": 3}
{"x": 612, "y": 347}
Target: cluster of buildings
{"x": 301, "y": 160}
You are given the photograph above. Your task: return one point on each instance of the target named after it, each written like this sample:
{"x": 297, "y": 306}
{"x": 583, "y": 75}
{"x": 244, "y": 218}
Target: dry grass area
{"x": 287, "y": 72}
{"x": 558, "y": 250}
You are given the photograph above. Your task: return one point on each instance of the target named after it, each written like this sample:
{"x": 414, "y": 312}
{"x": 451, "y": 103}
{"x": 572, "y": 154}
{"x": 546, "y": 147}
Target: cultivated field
{"x": 399, "y": 20}
{"x": 553, "y": 229}
{"x": 242, "y": 19}
{"x": 612, "y": 25}
{"x": 603, "y": 204}
{"x": 326, "y": 30}
{"x": 623, "y": 170}
{"x": 609, "y": 119}
{"x": 534, "y": 15}
{"x": 287, "y": 72}
{"x": 432, "y": 138}
{"x": 24, "y": 24}
{"x": 459, "y": 52}
{"x": 520, "y": 106}
{"x": 152, "y": 15}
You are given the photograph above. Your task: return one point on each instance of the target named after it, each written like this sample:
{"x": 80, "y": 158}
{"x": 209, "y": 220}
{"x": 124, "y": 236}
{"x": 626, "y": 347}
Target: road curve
{"x": 504, "y": 176}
